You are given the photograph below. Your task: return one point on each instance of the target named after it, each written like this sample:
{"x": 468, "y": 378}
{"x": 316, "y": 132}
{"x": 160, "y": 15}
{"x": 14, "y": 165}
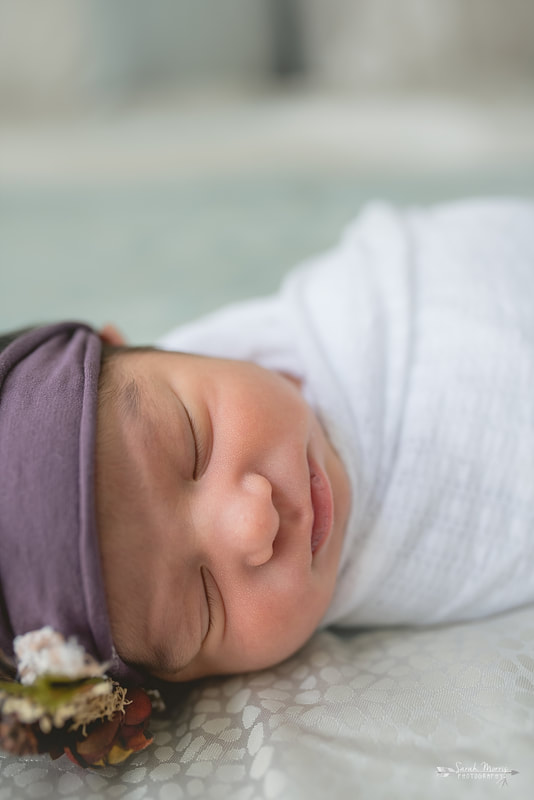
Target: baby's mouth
{"x": 322, "y": 504}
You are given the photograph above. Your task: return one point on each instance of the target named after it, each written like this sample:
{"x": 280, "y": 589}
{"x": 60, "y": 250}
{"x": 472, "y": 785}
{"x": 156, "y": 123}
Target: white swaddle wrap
{"x": 415, "y": 342}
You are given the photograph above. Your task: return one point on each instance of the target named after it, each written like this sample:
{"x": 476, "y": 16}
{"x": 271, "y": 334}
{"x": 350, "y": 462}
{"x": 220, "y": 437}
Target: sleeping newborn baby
{"x": 357, "y": 450}
{"x": 222, "y": 508}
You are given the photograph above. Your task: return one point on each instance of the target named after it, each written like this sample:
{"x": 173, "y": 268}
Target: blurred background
{"x": 160, "y": 159}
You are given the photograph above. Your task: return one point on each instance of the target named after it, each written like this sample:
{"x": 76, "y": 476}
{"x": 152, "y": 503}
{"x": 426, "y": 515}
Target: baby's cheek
{"x": 286, "y": 625}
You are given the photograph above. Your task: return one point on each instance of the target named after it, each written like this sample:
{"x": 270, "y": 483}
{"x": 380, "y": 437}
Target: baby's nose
{"x": 249, "y": 521}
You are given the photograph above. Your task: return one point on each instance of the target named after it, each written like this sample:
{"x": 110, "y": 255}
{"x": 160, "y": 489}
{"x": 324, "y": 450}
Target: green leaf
{"x": 49, "y": 691}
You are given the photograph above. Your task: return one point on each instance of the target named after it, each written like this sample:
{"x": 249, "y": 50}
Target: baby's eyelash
{"x": 199, "y": 447}
{"x": 210, "y": 598}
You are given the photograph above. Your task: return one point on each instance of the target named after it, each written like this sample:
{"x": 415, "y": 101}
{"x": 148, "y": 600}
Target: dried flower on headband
{"x": 63, "y": 702}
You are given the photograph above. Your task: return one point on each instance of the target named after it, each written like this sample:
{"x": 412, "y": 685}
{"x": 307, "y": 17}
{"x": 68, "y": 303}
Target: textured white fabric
{"x": 415, "y": 341}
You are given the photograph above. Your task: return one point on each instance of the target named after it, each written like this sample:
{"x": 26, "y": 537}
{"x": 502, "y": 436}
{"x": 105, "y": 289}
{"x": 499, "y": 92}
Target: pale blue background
{"x": 158, "y": 160}
{"x": 151, "y": 255}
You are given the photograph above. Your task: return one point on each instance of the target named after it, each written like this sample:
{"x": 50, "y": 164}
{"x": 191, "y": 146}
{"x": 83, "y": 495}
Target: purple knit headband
{"x": 50, "y": 572}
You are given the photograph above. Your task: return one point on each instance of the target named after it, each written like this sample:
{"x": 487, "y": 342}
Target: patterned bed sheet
{"x": 382, "y": 714}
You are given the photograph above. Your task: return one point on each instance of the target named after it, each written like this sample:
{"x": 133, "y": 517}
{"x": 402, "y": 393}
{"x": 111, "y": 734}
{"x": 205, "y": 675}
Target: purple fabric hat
{"x": 50, "y": 572}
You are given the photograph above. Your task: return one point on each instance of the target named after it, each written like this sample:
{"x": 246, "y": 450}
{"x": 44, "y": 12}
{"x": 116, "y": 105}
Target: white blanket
{"x": 415, "y": 342}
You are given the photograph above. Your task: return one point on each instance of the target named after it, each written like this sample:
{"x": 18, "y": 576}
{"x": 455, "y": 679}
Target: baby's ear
{"x": 111, "y": 335}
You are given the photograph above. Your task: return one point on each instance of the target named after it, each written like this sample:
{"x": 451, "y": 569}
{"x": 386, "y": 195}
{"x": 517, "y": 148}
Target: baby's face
{"x": 221, "y": 509}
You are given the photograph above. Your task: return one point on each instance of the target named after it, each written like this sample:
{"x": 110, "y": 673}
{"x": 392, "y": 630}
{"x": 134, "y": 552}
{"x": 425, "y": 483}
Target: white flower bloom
{"x": 45, "y": 651}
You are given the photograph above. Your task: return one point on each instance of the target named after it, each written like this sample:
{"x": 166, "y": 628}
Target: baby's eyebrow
{"x": 129, "y": 397}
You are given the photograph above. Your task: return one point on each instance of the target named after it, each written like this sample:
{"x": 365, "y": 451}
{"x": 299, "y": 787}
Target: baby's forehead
{"x": 140, "y": 427}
